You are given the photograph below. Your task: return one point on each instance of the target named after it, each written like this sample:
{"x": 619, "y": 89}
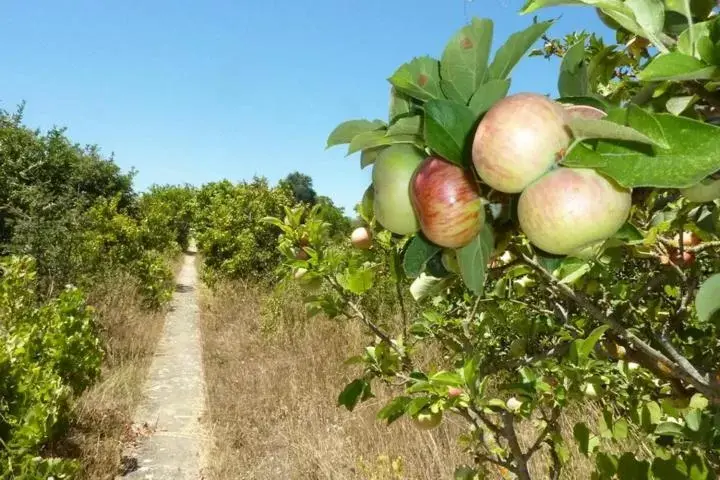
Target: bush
{"x": 51, "y": 353}
{"x": 234, "y": 242}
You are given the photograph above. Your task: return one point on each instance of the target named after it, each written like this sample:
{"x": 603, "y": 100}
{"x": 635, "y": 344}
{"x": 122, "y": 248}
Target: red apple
{"x": 361, "y": 238}
{"x": 447, "y": 202}
{"x": 569, "y": 209}
{"x": 519, "y": 139}
{"x": 690, "y": 239}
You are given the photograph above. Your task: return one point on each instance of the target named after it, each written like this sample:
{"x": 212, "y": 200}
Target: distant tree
{"x": 301, "y": 186}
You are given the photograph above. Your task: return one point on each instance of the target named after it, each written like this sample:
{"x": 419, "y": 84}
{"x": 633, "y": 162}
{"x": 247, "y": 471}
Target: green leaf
{"x": 596, "y": 102}
{"x": 378, "y": 138}
{"x": 417, "y": 405}
{"x": 693, "y": 419}
{"x": 629, "y": 468}
{"x": 474, "y": 257}
{"x": 488, "y": 94}
{"x": 707, "y": 300}
{"x": 701, "y": 32}
{"x": 585, "y": 128}
{"x": 418, "y": 252}
{"x": 427, "y": 285}
{"x": 650, "y": 415}
{"x": 677, "y": 67}
{"x": 447, "y": 127}
{"x": 369, "y": 155}
{"x": 411, "y": 125}
{"x": 450, "y": 379}
{"x": 394, "y": 409}
{"x": 699, "y": 401}
{"x": 587, "y": 442}
{"x": 346, "y": 131}
{"x": 677, "y": 105}
{"x": 515, "y": 48}
{"x": 589, "y": 343}
{"x": 573, "y": 79}
{"x": 606, "y": 464}
{"x": 650, "y": 16}
{"x": 669, "y": 429}
{"x": 464, "y": 61}
{"x": 693, "y": 154}
{"x": 420, "y": 78}
{"x": 355, "y": 392}
{"x": 400, "y": 105}
{"x": 651, "y": 128}
{"x": 357, "y": 281}
{"x": 620, "y": 429}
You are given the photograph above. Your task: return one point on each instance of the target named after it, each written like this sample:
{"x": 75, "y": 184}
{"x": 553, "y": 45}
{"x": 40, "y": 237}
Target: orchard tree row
{"x": 559, "y": 250}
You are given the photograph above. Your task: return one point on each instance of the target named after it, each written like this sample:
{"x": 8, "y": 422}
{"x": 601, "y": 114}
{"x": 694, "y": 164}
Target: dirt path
{"x": 170, "y": 437}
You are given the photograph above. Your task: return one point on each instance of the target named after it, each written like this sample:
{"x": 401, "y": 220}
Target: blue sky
{"x": 191, "y": 91}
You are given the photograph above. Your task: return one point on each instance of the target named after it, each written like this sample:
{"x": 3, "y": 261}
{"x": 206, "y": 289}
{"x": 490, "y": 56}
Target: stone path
{"x": 170, "y": 437}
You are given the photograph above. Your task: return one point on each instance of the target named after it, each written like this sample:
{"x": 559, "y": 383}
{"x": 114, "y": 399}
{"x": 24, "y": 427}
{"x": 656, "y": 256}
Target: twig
{"x": 703, "y": 246}
{"x": 509, "y": 433}
{"x": 622, "y": 332}
{"x": 541, "y": 438}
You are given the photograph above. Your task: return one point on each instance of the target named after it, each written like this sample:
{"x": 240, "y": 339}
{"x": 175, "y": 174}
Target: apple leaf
{"x": 427, "y": 285}
{"x": 707, "y": 301}
{"x": 533, "y": 5}
{"x": 643, "y": 120}
{"x": 346, "y": 131}
{"x": 417, "y": 254}
{"x": 379, "y": 138}
{"x": 394, "y": 409}
{"x": 488, "y": 94}
{"x": 369, "y": 155}
{"x": 400, "y": 105}
{"x": 677, "y": 105}
{"x": 447, "y": 127}
{"x": 678, "y": 67}
{"x": 693, "y": 153}
{"x": 573, "y": 79}
{"x": 411, "y": 125}
{"x": 585, "y": 128}
{"x": 355, "y": 392}
{"x": 474, "y": 257}
{"x": 650, "y": 17}
{"x": 596, "y": 102}
{"x": 515, "y": 49}
{"x": 356, "y": 281}
{"x": 420, "y": 78}
{"x": 465, "y": 59}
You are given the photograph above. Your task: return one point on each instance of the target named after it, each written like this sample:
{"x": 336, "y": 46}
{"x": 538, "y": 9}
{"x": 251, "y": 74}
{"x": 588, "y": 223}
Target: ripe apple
{"x": 706, "y": 190}
{"x": 392, "y": 172}
{"x": 570, "y": 208}
{"x": 518, "y": 140}
{"x": 361, "y": 238}
{"x": 427, "y": 420}
{"x": 686, "y": 259}
{"x": 447, "y": 202}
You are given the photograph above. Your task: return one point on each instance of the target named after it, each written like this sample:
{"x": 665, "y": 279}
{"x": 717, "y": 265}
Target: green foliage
{"x": 301, "y": 187}
{"x": 50, "y": 353}
{"x": 233, "y": 240}
{"x": 630, "y": 323}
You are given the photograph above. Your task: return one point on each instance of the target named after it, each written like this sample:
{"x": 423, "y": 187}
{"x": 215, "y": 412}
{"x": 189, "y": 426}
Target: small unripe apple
{"x": 570, "y": 208}
{"x": 427, "y": 420}
{"x": 361, "y": 238}
{"x": 447, "y": 202}
{"x": 518, "y": 140}
{"x": 454, "y": 392}
{"x": 392, "y": 172}
{"x": 706, "y": 190}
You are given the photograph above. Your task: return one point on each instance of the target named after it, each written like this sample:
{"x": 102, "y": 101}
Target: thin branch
{"x": 674, "y": 369}
{"x": 509, "y": 433}
{"x": 703, "y": 246}
{"x": 401, "y": 301}
{"x": 496, "y": 461}
{"x": 541, "y": 438}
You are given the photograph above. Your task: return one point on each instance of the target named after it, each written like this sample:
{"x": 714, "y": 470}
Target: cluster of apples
{"x": 516, "y": 149}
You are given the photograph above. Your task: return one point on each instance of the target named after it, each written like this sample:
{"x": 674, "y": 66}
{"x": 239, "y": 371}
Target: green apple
{"x": 392, "y": 173}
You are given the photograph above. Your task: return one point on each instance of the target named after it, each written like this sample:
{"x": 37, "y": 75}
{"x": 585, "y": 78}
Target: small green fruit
{"x": 392, "y": 172}
{"x": 427, "y": 420}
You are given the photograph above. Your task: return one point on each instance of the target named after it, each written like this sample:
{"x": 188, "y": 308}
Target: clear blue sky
{"x": 195, "y": 91}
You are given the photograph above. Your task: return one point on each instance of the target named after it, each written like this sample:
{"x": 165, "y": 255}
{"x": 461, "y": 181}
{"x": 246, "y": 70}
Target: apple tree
{"x": 560, "y": 250}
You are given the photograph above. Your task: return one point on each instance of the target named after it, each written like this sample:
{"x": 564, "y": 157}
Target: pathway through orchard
{"x": 170, "y": 439}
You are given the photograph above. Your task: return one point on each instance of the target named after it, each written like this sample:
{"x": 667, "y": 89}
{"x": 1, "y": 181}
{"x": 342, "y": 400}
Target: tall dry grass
{"x": 273, "y": 377}
{"x": 103, "y": 414}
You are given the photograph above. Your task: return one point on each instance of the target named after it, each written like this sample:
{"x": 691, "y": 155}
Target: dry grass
{"x": 103, "y": 414}
{"x": 272, "y": 383}
{"x": 272, "y": 402}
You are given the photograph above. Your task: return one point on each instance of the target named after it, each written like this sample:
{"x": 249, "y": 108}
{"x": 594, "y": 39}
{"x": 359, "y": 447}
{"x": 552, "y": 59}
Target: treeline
{"x": 70, "y": 222}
